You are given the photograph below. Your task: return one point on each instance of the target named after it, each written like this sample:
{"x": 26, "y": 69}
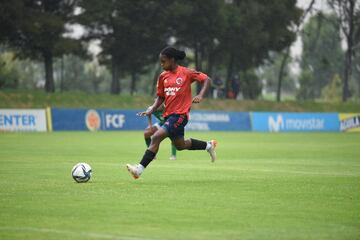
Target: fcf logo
{"x": 114, "y": 120}
{"x": 92, "y": 120}
{"x": 275, "y": 125}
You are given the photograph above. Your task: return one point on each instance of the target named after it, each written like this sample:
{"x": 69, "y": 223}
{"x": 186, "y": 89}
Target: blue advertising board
{"x": 114, "y": 120}
{"x": 96, "y": 119}
{"x": 295, "y": 122}
{"x": 219, "y": 121}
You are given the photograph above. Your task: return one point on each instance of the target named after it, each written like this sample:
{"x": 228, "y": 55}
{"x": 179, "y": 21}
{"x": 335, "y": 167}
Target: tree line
{"x": 223, "y": 37}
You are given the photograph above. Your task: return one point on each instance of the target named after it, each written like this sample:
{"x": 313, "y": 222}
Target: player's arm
{"x": 158, "y": 101}
{"x": 204, "y": 87}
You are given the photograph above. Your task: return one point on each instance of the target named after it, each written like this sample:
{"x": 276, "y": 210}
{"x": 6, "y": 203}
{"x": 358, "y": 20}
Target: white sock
{"x": 140, "y": 168}
{"x": 208, "y": 145}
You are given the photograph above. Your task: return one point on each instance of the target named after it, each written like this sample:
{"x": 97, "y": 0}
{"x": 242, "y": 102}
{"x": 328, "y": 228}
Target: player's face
{"x": 167, "y": 63}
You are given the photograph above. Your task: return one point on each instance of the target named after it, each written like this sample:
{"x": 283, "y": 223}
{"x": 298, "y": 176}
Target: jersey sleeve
{"x": 197, "y": 76}
{"x": 160, "y": 87}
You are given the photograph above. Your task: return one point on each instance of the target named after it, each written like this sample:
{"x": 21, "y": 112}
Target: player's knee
{"x": 155, "y": 139}
{"x": 147, "y": 134}
{"x": 180, "y": 147}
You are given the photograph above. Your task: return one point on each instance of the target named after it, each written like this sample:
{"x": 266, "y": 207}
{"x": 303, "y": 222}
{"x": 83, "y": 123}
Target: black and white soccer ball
{"x": 81, "y": 172}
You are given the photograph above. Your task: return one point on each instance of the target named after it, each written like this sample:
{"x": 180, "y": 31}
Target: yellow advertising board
{"x": 349, "y": 122}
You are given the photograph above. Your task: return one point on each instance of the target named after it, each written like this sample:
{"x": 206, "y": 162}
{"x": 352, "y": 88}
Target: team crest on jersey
{"x": 179, "y": 81}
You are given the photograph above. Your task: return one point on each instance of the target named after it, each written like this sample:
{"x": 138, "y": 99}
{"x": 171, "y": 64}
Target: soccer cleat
{"x": 172, "y": 157}
{"x": 211, "y": 150}
{"x": 133, "y": 170}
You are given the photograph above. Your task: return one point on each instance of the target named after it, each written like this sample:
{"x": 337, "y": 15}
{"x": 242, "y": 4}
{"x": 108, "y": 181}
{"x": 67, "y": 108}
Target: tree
{"x": 321, "y": 56}
{"x": 198, "y": 25}
{"x": 356, "y": 74}
{"x": 9, "y": 76}
{"x": 128, "y": 39}
{"x": 254, "y": 29}
{"x": 251, "y": 85}
{"x": 306, "y": 79}
{"x": 332, "y": 91}
{"x": 75, "y": 73}
{"x": 348, "y": 13}
{"x": 10, "y": 19}
{"x": 269, "y": 73}
{"x": 37, "y": 31}
{"x": 286, "y": 53}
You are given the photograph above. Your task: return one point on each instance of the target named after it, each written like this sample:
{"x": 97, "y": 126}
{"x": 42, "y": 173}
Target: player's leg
{"x": 176, "y": 125}
{"x": 157, "y": 137}
{"x": 173, "y": 152}
{"x": 148, "y": 132}
{"x": 194, "y": 144}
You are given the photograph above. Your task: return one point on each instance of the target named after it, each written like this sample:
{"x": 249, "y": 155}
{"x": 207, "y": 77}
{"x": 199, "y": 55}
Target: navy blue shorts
{"x": 174, "y": 125}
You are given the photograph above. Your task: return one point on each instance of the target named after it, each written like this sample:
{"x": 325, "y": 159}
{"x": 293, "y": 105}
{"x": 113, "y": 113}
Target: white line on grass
{"x": 71, "y": 233}
{"x": 337, "y": 174}
{"x": 254, "y": 169}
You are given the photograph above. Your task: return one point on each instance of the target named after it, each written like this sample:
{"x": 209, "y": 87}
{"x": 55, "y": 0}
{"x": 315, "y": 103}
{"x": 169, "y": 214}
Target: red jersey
{"x": 175, "y": 87}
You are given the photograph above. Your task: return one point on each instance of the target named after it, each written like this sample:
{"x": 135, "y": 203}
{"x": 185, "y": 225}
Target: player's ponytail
{"x": 171, "y": 52}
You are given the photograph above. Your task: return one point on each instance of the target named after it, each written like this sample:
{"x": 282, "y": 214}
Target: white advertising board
{"x": 23, "y": 120}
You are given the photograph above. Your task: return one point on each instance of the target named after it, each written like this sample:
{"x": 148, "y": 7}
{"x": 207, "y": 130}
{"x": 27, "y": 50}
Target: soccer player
{"x": 174, "y": 90}
{"x": 152, "y": 128}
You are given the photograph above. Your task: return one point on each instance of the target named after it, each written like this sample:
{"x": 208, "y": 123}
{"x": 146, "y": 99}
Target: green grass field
{"x": 263, "y": 186}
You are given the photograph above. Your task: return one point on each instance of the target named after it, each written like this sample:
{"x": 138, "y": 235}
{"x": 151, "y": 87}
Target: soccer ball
{"x": 81, "y": 172}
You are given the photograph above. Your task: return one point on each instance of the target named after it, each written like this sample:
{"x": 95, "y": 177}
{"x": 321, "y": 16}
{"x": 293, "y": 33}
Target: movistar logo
{"x": 281, "y": 123}
{"x": 275, "y": 125}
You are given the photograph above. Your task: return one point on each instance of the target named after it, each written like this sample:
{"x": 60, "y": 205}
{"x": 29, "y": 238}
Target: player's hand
{"x": 142, "y": 114}
{"x": 197, "y": 99}
{"x": 148, "y": 112}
